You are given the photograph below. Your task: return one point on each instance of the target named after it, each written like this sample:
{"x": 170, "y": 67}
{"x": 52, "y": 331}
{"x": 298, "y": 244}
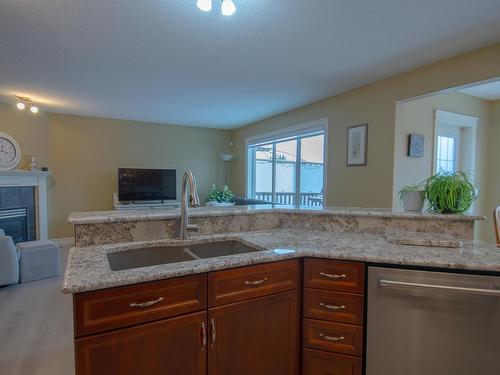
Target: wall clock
{"x": 10, "y": 152}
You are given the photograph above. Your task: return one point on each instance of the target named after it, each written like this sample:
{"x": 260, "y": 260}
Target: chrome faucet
{"x": 194, "y": 201}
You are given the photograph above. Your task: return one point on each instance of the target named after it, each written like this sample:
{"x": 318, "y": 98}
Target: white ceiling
{"x": 488, "y": 91}
{"x": 166, "y": 61}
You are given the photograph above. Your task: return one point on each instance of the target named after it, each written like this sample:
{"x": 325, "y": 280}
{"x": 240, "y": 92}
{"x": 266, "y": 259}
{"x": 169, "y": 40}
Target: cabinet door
{"x": 256, "y": 337}
{"x": 168, "y": 347}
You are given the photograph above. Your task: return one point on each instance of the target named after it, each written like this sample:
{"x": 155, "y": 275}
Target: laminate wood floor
{"x": 36, "y": 328}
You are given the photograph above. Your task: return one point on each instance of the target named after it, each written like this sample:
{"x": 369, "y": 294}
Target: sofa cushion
{"x": 38, "y": 260}
{"x": 9, "y": 263}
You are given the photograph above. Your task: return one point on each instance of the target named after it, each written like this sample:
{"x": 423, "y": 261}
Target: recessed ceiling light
{"x": 228, "y": 8}
{"x": 204, "y": 5}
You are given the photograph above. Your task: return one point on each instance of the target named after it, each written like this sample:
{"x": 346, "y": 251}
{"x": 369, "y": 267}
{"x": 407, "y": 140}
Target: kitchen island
{"x": 295, "y": 297}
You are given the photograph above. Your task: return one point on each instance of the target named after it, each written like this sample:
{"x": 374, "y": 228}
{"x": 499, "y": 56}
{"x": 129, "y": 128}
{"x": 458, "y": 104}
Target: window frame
{"x": 298, "y": 132}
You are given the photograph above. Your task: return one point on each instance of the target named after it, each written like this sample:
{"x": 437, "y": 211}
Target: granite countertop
{"x": 88, "y": 268}
{"x": 160, "y": 214}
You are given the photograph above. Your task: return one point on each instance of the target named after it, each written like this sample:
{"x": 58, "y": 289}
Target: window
{"x": 454, "y": 142}
{"x": 288, "y": 167}
{"x": 445, "y": 157}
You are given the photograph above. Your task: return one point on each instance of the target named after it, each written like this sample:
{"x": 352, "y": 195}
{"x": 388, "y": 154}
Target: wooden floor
{"x": 36, "y": 328}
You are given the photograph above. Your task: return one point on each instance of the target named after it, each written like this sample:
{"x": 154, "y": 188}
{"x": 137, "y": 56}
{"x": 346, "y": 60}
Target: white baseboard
{"x": 67, "y": 241}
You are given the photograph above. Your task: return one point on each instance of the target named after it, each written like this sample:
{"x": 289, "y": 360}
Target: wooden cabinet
{"x": 173, "y": 346}
{"x": 333, "y": 311}
{"x": 316, "y": 362}
{"x": 243, "y": 321}
{"x": 252, "y": 328}
{"x": 257, "y": 337}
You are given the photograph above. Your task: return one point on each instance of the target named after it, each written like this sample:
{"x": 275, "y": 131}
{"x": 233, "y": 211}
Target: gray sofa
{"x": 27, "y": 261}
{"x": 9, "y": 260}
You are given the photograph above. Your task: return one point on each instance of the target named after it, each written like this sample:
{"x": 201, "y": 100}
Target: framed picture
{"x": 357, "y": 145}
{"x": 415, "y": 145}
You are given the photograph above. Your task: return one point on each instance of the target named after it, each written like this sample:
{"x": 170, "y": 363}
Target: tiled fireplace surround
{"x": 23, "y": 204}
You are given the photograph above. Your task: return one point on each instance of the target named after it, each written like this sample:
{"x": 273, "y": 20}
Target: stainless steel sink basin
{"x": 151, "y": 256}
{"x": 219, "y": 249}
{"x": 148, "y": 256}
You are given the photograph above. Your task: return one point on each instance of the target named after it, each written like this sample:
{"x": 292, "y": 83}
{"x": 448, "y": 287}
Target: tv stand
{"x": 143, "y": 204}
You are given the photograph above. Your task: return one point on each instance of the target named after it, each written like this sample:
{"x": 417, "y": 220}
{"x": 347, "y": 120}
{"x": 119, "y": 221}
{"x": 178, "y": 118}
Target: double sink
{"x": 152, "y": 256}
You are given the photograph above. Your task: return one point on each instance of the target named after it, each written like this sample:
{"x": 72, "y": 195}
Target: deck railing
{"x": 306, "y": 199}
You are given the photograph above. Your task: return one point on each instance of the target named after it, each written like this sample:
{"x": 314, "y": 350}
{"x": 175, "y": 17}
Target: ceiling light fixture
{"x": 228, "y": 8}
{"x": 23, "y": 102}
{"x": 204, "y": 5}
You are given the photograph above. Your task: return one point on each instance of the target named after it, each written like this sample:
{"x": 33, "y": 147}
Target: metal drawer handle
{"x": 331, "y": 338}
{"x": 146, "y": 304}
{"x": 332, "y": 307}
{"x": 489, "y": 292}
{"x": 256, "y": 282}
{"x": 333, "y": 276}
{"x": 214, "y": 333}
{"x": 203, "y": 336}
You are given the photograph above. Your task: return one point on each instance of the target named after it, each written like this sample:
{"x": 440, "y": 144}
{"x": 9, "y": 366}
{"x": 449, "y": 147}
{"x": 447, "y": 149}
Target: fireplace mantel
{"x": 37, "y": 179}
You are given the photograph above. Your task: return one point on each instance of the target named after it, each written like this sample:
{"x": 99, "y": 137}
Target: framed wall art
{"x": 357, "y": 145}
{"x": 415, "y": 145}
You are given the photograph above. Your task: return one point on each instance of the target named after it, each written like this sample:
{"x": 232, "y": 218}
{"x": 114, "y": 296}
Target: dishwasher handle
{"x": 462, "y": 289}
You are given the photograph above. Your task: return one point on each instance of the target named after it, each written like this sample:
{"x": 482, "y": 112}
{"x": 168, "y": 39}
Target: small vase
{"x": 33, "y": 165}
{"x": 413, "y": 201}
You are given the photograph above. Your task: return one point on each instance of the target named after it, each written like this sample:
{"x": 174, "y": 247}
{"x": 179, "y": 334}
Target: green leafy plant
{"x": 221, "y": 196}
{"x": 411, "y": 188}
{"x": 450, "y": 192}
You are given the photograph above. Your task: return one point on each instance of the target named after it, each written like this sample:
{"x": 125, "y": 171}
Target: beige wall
{"x": 494, "y": 157}
{"x": 30, "y": 131}
{"x": 417, "y": 116}
{"x": 374, "y": 104}
{"x": 84, "y": 154}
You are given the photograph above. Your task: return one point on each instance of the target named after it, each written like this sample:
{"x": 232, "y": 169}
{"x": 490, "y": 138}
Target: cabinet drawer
{"x": 334, "y": 337}
{"x": 250, "y": 282}
{"x": 108, "y": 309}
{"x": 334, "y": 306}
{"x": 334, "y": 275}
{"x": 322, "y": 363}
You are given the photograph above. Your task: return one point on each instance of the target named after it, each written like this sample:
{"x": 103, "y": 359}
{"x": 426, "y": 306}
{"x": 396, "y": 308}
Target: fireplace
{"x": 14, "y": 221}
{"x": 24, "y": 192}
{"x": 17, "y": 213}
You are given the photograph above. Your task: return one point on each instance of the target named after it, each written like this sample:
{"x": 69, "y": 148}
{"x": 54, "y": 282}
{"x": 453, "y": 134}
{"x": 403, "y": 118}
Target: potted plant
{"x": 412, "y": 197}
{"x": 220, "y": 198}
{"x": 450, "y": 192}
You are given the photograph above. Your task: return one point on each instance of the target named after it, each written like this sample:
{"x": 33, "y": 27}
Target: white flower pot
{"x": 413, "y": 201}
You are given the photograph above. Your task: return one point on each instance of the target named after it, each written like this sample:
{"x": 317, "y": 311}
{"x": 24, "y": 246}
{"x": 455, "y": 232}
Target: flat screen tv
{"x": 146, "y": 184}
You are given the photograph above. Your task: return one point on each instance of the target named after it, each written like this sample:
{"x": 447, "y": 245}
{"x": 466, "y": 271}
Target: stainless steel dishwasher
{"x": 423, "y": 323}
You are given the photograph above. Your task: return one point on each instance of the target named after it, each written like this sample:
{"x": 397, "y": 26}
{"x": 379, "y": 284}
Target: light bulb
{"x": 204, "y": 5}
{"x": 34, "y": 109}
{"x": 20, "y": 106}
{"x": 227, "y": 8}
